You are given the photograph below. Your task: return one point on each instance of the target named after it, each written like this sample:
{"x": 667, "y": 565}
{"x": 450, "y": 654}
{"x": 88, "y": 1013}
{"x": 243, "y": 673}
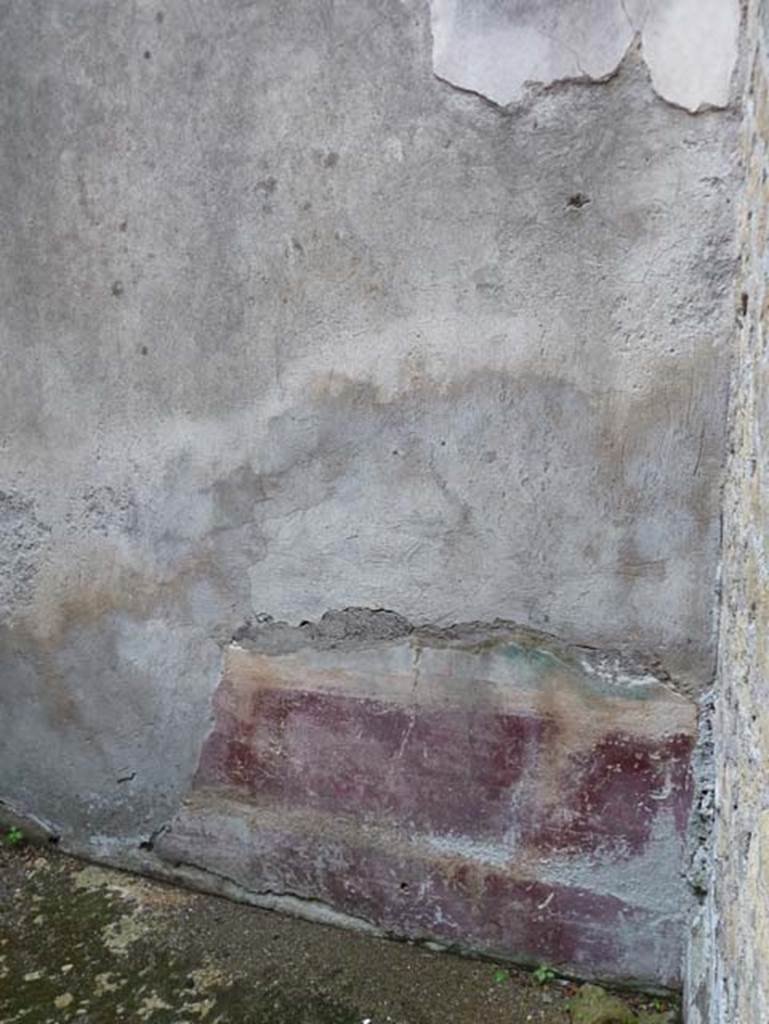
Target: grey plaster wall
{"x": 291, "y": 324}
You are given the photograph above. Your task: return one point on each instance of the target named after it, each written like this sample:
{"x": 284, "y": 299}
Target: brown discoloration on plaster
{"x": 644, "y": 522}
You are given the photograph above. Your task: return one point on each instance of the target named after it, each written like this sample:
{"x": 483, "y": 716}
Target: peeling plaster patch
{"x": 496, "y": 49}
{"x": 690, "y": 47}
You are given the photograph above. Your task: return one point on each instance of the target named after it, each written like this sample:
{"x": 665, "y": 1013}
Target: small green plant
{"x": 14, "y": 836}
{"x": 543, "y": 974}
{"x": 501, "y": 976}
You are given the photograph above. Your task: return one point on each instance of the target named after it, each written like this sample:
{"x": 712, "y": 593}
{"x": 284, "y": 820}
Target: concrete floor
{"x": 84, "y": 944}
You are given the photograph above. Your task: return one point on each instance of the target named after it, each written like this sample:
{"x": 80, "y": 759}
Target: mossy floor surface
{"x": 84, "y": 944}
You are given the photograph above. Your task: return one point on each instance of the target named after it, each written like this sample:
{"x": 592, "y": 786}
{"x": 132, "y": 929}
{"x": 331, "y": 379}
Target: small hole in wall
{"x": 743, "y": 303}
{"x": 577, "y": 201}
{"x": 404, "y": 887}
{"x": 54, "y": 840}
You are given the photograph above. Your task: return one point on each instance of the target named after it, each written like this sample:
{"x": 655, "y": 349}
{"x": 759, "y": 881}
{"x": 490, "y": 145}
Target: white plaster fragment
{"x": 495, "y": 48}
{"x": 498, "y": 47}
{"x": 690, "y": 48}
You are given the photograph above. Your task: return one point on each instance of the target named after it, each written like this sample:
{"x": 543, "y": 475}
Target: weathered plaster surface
{"x": 499, "y": 49}
{"x": 728, "y": 970}
{"x": 289, "y": 326}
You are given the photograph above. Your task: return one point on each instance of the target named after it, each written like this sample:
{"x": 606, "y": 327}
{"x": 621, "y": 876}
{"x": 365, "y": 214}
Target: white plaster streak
{"x": 470, "y": 849}
{"x": 413, "y": 711}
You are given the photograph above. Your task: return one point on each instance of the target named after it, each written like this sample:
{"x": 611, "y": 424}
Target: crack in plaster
{"x": 271, "y": 899}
